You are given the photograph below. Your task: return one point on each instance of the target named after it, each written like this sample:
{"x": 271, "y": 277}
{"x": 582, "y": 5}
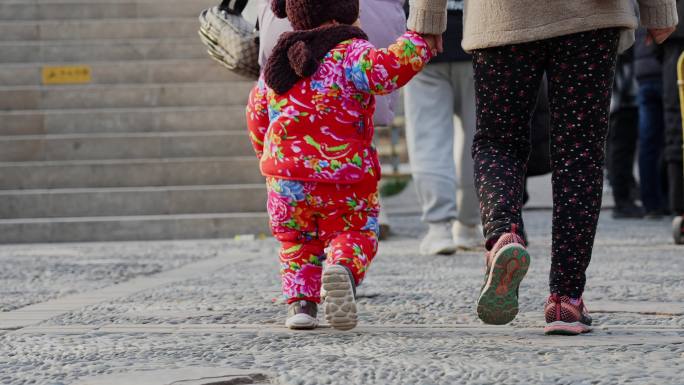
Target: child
{"x": 310, "y": 119}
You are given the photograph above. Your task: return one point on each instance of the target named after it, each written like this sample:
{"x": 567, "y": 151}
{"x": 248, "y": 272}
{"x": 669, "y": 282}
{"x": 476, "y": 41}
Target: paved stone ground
{"x": 202, "y": 312}
{"x": 37, "y": 274}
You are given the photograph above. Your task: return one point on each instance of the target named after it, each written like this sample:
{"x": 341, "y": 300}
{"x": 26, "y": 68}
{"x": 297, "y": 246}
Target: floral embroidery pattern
{"x": 314, "y": 146}
{"x": 317, "y": 222}
{"x": 580, "y": 69}
{"x": 321, "y": 129}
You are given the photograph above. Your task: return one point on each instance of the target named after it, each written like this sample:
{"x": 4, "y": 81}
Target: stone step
{"x": 123, "y": 120}
{"x": 124, "y": 146}
{"x": 132, "y": 201}
{"x": 79, "y": 51}
{"x": 129, "y": 173}
{"x": 126, "y": 72}
{"x": 30, "y": 148}
{"x": 124, "y": 95}
{"x": 130, "y": 120}
{"x": 93, "y": 29}
{"x": 132, "y": 228}
{"x": 88, "y": 9}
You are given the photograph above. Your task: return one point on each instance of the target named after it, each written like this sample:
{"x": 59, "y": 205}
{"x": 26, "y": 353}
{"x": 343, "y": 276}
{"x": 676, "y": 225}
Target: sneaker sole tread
{"x": 340, "y": 305}
{"x": 499, "y": 305}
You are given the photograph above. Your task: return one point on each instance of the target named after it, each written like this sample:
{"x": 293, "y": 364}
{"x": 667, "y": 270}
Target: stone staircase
{"x": 153, "y": 147}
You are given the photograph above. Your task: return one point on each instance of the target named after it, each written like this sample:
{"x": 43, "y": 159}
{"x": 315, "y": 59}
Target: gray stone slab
{"x": 33, "y": 314}
{"x": 88, "y": 29}
{"x": 600, "y": 336}
{"x": 78, "y": 51}
{"x": 133, "y": 228}
{"x": 184, "y": 376}
{"x": 444, "y": 292}
{"x": 56, "y": 203}
{"x": 28, "y": 148}
{"x": 130, "y": 120}
{"x": 641, "y": 307}
{"x": 13, "y": 10}
{"x": 20, "y": 31}
{"x": 41, "y": 273}
{"x": 417, "y": 321}
{"x": 390, "y": 357}
{"x": 114, "y": 72}
{"x": 125, "y": 95}
{"x": 130, "y": 173}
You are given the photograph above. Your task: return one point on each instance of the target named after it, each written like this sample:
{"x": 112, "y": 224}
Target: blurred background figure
{"x": 383, "y": 20}
{"x": 622, "y": 139}
{"x": 439, "y": 149}
{"x": 672, "y": 48}
{"x": 648, "y": 68}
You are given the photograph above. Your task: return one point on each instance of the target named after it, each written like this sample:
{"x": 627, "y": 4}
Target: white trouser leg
{"x": 466, "y": 195}
{"x": 429, "y": 107}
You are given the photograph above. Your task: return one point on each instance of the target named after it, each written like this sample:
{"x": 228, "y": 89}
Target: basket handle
{"x": 234, "y": 7}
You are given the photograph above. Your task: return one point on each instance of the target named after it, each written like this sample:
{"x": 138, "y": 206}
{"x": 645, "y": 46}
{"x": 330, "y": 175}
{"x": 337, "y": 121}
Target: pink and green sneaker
{"x": 566, "y": 316}
{"x": 507, "y": 264}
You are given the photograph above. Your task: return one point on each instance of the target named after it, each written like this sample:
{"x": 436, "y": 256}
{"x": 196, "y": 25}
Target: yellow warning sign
{"x": 79, "y": 74}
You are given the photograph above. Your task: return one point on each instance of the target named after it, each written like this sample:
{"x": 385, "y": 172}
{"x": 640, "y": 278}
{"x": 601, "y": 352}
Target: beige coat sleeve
{"x": 658, "y": 13}
{"x": 428, "y": 16}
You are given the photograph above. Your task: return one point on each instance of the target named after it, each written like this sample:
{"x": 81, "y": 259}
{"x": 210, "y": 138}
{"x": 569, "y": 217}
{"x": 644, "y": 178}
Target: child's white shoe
{"x": 340, "y": 304}
{"x": 301, "y": 315}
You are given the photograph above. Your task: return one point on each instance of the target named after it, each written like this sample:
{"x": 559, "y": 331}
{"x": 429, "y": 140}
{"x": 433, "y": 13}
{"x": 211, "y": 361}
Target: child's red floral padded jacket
{"x": 321, "y": 129}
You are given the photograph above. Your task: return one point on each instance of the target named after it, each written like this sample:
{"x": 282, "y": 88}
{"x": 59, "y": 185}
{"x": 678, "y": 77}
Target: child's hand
{"x": 435, "y": 42}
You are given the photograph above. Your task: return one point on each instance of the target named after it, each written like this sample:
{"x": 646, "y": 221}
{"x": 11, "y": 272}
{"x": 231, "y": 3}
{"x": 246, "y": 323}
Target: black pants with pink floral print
{"x": 580, "y": 70}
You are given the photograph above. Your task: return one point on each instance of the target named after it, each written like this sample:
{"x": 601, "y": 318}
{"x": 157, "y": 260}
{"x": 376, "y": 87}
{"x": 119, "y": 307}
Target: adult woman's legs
{"x": 581, "y": 69}
{"x": 506, "y": 86}
{"x": 507, "y": 81}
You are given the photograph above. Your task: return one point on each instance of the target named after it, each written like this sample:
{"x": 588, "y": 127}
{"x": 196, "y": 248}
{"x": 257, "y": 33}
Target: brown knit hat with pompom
{"x": 298, "y": 54}
{"x": 309, "y": 14}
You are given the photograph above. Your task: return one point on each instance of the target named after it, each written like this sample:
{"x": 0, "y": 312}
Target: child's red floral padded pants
{"x": 320, "y": 223}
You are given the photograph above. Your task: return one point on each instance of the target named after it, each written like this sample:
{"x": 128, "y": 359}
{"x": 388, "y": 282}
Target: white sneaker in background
{"x": 438, "y": 240}
{"x": 467, "y": 237}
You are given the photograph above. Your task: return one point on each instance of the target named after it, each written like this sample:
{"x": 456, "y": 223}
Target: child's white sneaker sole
{"x": 340, "y": 305}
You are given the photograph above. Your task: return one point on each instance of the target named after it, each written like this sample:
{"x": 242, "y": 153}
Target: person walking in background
{"x": 446, "y": 190}
{"x": 513, "y": 44}
{"x": 382, "y": 20}
{"x": 648, "y": 67}
{"x": 673, "y": 118}
{"x": 310, "y": 120}
{"x": 623, "y": 136}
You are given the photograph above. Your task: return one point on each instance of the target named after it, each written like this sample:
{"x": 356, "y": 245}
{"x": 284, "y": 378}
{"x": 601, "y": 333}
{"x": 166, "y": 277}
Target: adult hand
{"x": 658, "y": 35}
